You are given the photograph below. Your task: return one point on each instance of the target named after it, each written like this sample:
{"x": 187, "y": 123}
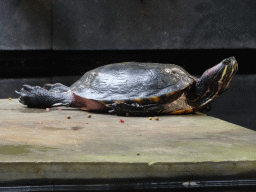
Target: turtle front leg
{"x": 134, "y": 109}
{"x": 38, "y": 97}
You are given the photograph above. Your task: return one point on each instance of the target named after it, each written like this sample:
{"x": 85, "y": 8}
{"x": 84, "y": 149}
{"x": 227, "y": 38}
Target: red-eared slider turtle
{"x": 136, "y": 88}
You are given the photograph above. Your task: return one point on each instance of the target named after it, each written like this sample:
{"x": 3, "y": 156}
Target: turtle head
{"x": 220, "y": 75}
{"x": 213, "y": 82}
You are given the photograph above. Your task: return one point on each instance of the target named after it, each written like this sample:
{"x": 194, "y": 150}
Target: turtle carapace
{"x": 136, "y": 88}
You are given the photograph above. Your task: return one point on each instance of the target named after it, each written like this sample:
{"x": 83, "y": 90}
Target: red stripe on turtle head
{"x": 211, "y": 73}
{"x": 230, "y": 62}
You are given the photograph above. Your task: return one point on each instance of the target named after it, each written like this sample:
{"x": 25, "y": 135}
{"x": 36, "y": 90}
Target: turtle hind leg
{"x": 57, "y": 87}
{"x": 38, "y": 97}
{"x": 134, "y": 109}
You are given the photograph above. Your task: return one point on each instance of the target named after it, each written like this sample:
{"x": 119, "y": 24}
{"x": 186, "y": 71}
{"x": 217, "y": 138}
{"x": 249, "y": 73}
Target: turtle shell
{"x": 133, "y": 81}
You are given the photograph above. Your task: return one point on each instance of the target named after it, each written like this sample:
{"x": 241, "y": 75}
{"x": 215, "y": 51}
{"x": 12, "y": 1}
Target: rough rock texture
{"x": 136, "y": 24}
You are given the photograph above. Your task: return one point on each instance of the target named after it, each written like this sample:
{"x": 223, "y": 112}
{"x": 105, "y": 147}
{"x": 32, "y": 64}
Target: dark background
{"x": 44, "y": 41}
{"x": 48, "y": 63}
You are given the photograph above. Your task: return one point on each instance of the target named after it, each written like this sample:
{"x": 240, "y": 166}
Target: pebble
{"x": 121, "y": 121}
{"x": 89, "y": 115}
{"x": 156, "y": 118}
{"x": 10, "y": 98}
{"x": 150, "y": 118}
{"x": 68, "y": 116}
{"x": 47, "y": 109}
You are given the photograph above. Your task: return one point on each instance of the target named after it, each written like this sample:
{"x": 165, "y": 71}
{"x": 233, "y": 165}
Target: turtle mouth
{"x": 235, "y": 65}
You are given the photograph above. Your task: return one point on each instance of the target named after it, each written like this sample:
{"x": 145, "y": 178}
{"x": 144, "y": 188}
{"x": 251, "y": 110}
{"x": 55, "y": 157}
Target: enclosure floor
{"x": 40, "y": 144}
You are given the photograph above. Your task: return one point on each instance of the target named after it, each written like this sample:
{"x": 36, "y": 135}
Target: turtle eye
{"x": 226, "y": 61}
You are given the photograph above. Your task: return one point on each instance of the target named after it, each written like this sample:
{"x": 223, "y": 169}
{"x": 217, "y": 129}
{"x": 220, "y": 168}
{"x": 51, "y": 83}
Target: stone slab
{"x": 40, "y": 144}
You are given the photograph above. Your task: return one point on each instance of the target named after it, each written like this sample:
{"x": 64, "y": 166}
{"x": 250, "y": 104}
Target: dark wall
{"x": 237, "y": 104}
{"x": 48, "y": 63}
{"x": 122, "y": 24}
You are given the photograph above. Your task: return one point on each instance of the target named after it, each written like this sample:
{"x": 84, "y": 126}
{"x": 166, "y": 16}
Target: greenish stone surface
{"x": 39, "y": 144}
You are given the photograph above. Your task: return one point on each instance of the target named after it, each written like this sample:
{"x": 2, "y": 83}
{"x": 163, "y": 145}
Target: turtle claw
{"x": 18, "y": 92}
{"x": 24, "y": 93}
{"x": 20, "y": 99}
{"x": 112, "y": 111}
{"x": 31, "y": 96}
{"x": 118, "y": 113}
{"x": 57, "y": 104}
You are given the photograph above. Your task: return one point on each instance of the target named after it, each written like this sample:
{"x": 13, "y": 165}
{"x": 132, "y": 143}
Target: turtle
{"x": 137, "y": 89}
